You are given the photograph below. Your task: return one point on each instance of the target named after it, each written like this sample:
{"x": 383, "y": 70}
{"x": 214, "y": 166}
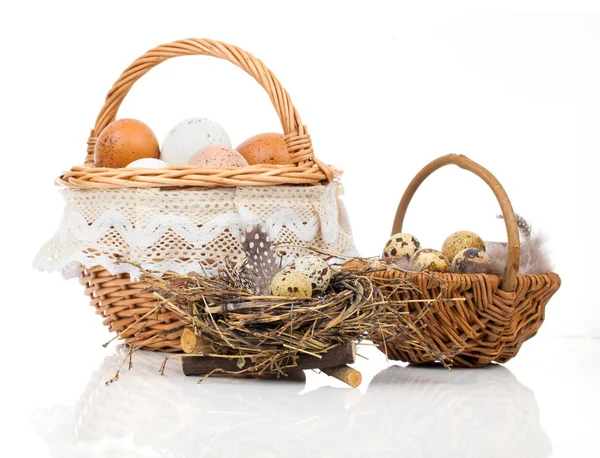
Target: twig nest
{"x": 317, "y": 270}
{"x": 429, "y": 259}
{"x": 471, "y": 261}
{"x": 291, "y": 283}
{"x": 461, "y": 241}
{"x": 401, "y": 246}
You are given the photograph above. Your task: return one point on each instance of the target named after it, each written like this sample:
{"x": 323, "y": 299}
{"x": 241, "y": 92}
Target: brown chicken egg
{"x": 267, "y": 148}
{"x": 215, "y": 156}
{"x": 124, "y": 141}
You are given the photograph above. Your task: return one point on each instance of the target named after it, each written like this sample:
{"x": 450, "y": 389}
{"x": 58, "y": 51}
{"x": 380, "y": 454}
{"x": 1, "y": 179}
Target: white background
{"x": 384, "y": 88}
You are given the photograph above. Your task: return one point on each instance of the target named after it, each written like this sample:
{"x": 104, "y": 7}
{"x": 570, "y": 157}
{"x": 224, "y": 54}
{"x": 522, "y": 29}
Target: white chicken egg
{"x": 148, "y": 163}
{"x": 190, "y": 136}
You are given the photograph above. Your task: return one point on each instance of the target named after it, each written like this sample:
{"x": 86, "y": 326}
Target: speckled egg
{"x": 317, "y": 270}
{"x": 148, "y": 163}
{"x": 460, "y": 241}
{"x": 401, "y": 245}
{"x": 124, "y": 141}
{"x": 431, "y": 260}
{"x": 216, "y": 156}
{"x": 291, "y": 283}
{"x": 267, "y": 148}
{"x": 190, "y": 136}
{"x": 470, "y": 261}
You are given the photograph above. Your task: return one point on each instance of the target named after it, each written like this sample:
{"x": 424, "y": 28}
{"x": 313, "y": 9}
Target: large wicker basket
{"x": 121, "y": 301}
{"x": 496, "y": 314}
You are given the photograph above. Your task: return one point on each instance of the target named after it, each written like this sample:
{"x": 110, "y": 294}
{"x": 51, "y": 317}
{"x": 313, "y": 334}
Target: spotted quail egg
{"x": 432, "y": 260}
{"x": 460, "y": 241}
{"x": 291, "y": 283}
{"x": 470, "y": 261}
{"x": 317, "y": 270}
{"x": 401, "y": 245}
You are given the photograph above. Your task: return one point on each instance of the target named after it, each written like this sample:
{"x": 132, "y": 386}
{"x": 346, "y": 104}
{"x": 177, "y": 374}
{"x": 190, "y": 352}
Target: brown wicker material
{"x": 121, "y": 302}
{"x": 115, "y": 297}
{"x": 496, "y": 316}
{"x": 305, "y": 168}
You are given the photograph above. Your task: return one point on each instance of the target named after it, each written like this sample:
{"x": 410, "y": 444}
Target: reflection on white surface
{"x": 405, "y": 411}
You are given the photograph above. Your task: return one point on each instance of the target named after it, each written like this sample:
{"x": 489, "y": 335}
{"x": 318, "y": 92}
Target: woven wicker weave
{"x": 121, "y": 301}
{"x": 496, "y": 316}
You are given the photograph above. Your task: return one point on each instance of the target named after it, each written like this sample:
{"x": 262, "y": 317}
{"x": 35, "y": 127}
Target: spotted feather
{"x": 262, "y": 261}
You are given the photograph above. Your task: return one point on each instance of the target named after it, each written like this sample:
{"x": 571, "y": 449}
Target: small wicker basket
{"x": 497, "y": 314}
{"x": 118, "y": 299}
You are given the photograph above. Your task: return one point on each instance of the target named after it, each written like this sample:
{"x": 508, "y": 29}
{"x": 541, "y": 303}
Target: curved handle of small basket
{"x": 296, "y": 136}
{"x": 514, "y": 247}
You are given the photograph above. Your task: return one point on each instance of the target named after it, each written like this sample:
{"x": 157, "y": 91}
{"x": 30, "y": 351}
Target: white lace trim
{"x": 189, "y": 230}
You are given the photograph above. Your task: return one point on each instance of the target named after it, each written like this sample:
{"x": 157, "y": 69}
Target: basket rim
{"x": 187, "y": 176}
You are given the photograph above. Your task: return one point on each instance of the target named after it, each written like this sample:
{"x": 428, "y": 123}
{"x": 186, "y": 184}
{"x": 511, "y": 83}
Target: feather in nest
{"x": 261, "y": 261}
{"x": 535, "y": 258}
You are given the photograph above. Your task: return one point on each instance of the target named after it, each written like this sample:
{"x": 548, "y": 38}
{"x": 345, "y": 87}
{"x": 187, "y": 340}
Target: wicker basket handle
{"x": 296, "y": 136}
{"x": 514, "y": 247}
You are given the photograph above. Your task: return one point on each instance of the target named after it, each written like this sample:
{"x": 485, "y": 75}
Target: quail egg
{"x": 291, "y": 283}
{"x": 432, "y": 260}
{"x": 460, "y": 241}
{"x": 471, "y": 261}
{"x": 401, "y": 246}
{"x": 317, "y": 270}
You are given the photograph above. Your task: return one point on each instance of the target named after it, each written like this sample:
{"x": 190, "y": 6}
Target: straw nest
{"x": 272, "y": 332}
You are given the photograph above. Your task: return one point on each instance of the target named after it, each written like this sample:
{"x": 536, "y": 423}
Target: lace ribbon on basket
{"x": 189, "y": 230}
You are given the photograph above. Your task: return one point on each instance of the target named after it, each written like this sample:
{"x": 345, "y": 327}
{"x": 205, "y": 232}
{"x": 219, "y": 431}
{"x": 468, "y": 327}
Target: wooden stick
{"x": 345, "y": 374}
{"x": 292, "y": 376}
{"x": 191, "y": 344}
{"x": 203, "y": 365}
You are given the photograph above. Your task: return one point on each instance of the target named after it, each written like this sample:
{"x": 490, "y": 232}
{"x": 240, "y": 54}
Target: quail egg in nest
{"x": 292, "y": 284}
{"x": 317, "y": 270}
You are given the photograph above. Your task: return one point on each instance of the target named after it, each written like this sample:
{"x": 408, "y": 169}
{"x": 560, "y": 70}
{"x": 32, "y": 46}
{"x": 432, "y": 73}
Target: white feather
{"x": 535, "y": 258}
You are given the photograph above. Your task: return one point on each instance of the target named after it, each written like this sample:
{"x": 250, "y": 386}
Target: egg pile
{"x": 198, "y": 142}
{"x": 462, "y": 252}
